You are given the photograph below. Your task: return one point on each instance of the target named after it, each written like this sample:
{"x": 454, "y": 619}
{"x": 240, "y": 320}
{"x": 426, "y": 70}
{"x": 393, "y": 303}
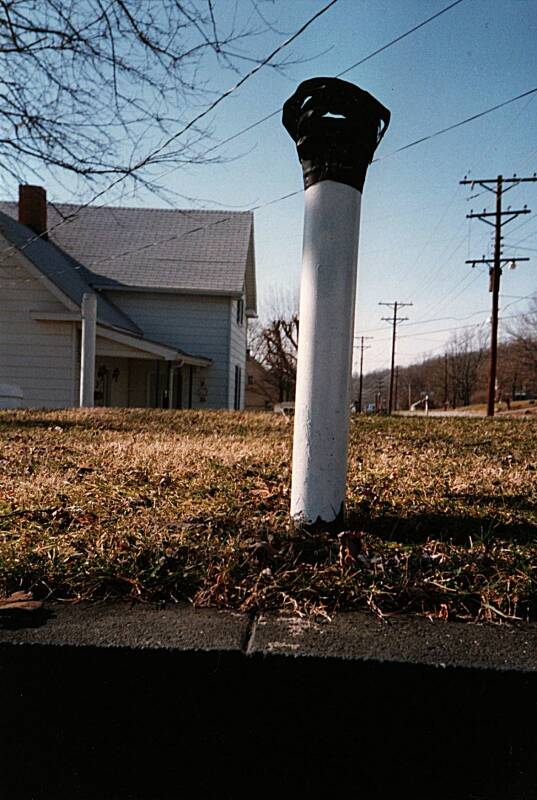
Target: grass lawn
{"x": 194, "y": 506}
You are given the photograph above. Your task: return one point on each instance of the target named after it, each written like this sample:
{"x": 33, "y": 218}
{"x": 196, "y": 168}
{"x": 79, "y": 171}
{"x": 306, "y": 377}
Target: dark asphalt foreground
{"x": 118, "y": 701}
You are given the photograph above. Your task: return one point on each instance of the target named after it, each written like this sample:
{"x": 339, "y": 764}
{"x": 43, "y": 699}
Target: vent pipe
{"x": 336, "y": 128}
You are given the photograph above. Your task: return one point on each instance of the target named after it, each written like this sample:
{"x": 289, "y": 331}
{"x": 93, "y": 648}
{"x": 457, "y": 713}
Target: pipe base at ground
{"x": 319, "y": 525}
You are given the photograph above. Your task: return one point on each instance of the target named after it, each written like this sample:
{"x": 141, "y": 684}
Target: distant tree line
{"x": 457, "y": 377}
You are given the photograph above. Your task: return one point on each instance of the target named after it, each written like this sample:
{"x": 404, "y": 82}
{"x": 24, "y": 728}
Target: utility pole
{"x": 395, "y": 388}
{"x": 446, "y": 395}
{"x": 362, "y": 348}
{"x": 394, "y": 320}
{"x": 378, "y": 395}
{"x": 498, "y": 186}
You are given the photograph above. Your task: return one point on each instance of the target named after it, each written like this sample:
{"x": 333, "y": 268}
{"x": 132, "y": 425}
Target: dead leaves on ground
{"x": 19, "y": 603}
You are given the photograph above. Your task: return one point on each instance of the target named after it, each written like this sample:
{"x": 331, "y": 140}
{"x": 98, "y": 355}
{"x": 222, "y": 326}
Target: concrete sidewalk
{"x": 121, "y": 701}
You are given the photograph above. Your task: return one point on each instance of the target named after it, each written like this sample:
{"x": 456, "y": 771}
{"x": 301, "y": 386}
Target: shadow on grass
{"x": 134, "y": 421}
{"x": 516, "y": 502}
{"x": 197, "y": 422}
{"x": 459, "y": 529}
{"x": 17, "y": 423}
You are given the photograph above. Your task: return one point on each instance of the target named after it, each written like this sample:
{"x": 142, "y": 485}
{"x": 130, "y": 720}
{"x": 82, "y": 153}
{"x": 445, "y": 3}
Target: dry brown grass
{"x": 194, "y": 505}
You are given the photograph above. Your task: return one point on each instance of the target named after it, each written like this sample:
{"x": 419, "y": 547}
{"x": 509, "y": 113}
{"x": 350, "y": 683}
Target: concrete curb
{"x": 120, "y": 701}
{"x": 354, "y": 635}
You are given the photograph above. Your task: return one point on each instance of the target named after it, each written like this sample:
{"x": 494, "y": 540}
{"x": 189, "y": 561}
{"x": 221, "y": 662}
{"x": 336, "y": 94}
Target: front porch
{"x": 121, "y": 369}
{"x": 144, "y": 383}
{"x": 136, "y": 373}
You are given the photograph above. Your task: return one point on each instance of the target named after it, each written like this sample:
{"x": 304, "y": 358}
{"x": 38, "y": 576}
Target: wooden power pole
{"x": 446, "y": 396}
{"x": 498, "y": 186}
{"x": 394, "y": 320}
{"x": 360, "y": 386}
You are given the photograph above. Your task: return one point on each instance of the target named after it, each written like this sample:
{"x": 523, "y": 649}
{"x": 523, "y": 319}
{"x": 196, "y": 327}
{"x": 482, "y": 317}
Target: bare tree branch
{"x": 83, "y": 81}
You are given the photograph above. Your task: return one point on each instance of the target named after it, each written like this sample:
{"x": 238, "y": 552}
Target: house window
{"x": 240, "y": 311}
{"x": 250, "y": 380}
{"x": 238, "y": 381}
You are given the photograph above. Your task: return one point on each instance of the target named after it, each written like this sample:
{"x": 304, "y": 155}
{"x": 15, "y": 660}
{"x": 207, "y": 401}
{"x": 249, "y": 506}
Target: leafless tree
{"x": 274, "y": 345}
{"x": 88, "y": 86}
{"x": 466, "y": 354}
{"x": 522, "y": 343}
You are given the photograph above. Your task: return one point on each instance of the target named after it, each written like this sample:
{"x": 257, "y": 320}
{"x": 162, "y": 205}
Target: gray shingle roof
{"x": 68, "y": 275}
{"x": 157, "y": 248}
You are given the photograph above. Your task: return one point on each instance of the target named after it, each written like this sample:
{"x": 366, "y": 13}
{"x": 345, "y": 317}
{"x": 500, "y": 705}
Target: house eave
{"x": 155, "y": 348}
{"x": 74, "y": 316}
{"x": 105, "y": 287}
{"x": 124, "y": 337}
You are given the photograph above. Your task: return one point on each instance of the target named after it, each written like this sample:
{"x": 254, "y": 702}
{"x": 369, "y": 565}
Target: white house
{"x": 174, "y": 293}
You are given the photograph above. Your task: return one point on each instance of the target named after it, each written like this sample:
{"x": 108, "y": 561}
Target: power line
{"x": 236, "y": 86}
{"x": 262, "y": 205}
{"x": 517, "y": 247}
{"x": 133, "y": 251}
{"x": 376, "y": 52}
{"x": 524, "y": 239}
{"x": 456, "y": 125}
{"x": 258, "y": 207}
{"x": 408, "y": 271}
{"x": 399, "y": 38}
{"x": 460, "y": 285}
{"x": 431, "y": 279}
{"x": 151, "y": 156}
{"x": 522, "y": 225}
{"x": 242, "y": 81}
{"x": 420, "y": 334}
{"x": 461, "y": 291}
{"x": 437, "y": 319}
{"x": 510, "y": 125}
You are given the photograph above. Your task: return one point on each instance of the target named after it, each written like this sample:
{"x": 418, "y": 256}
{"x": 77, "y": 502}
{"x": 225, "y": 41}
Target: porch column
{"x": 87, "y": 353}
{"x": 190, "y": 383}
{"x": 171, "y": 380}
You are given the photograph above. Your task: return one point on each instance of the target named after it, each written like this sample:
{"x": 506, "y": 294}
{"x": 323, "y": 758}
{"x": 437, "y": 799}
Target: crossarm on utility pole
{"x": 362, "y": 348}
{"x": 497, "y": 219}
{"x": 394, "y": 320}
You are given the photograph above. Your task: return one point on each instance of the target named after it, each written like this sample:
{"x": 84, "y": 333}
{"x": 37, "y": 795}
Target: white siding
{"x": 197, "y": 324}
{"x": 37, "y": 356}
{"x": 237, "y": 352}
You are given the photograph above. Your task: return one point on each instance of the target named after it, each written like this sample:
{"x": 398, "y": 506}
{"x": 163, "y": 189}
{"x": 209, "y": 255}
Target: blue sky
{"x": 414, "y": 233}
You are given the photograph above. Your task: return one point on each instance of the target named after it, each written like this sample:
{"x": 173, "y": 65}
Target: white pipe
{"x": 88, "y": 347}
{"x": 327, "y": 299}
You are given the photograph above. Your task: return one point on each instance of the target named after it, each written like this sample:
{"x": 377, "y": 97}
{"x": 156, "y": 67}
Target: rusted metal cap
{"x": 336, "y": 127}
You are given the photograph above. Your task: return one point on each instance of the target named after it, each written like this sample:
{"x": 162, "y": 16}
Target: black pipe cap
{"x": 336, "y": 127}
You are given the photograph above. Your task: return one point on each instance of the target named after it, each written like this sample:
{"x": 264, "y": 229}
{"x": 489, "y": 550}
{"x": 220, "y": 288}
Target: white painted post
{"x": 335, "y": 151}
{"x": 87, "y": 350}
{"x": 322, "y": 403}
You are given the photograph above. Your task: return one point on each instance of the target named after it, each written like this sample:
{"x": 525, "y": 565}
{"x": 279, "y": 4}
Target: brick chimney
{"x": 33, "y": 208}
